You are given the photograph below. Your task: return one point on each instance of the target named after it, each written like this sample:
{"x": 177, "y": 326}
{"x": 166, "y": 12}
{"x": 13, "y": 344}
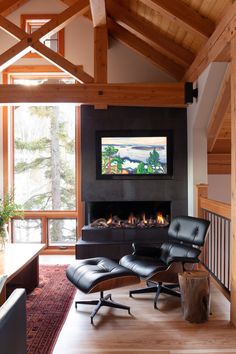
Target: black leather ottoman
{"x": 100, "y": 274}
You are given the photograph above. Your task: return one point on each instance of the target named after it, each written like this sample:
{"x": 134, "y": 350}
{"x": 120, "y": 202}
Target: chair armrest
{"x": 13, "y": 323}
{"x": 183, "y": 260}
{"x": 147, "y": 250}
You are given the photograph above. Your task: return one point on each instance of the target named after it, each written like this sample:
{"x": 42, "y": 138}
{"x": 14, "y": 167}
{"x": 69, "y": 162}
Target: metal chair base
{"x": 158, "y": 288}
{"x": 103, "y": 301}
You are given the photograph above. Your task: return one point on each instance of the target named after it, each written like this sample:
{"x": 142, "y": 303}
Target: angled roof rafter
{"x": 184, "y": 15}
{"x": 145, "y": 49}
{"x": 8, "y": 6}
{"x": 136, "y": 23}
{"x": 219, "y": 110}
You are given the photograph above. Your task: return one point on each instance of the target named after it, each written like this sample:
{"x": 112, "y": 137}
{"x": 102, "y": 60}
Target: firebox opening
{"x": 147, "y": 214}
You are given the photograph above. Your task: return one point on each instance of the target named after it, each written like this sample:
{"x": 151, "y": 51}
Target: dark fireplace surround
{"x": 123, "y": 196}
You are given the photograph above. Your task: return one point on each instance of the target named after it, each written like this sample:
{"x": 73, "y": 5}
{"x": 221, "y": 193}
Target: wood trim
{"x": 100, "y": 54}
{"x": 150, "y": 95}
{"x": 201, "y": 191}
{"x": 11, "y": 55}
{"x": 152, "y": 36}
{"x": 183, "y": 15}
{"x": 43, "y": 215}
{"x": 98, "y": 11}
{"x": 219, "y": 163}
{"x": 220, "y": 108}
{"x": 141, "y": 47}
{"x": 219, "y": 208}
{"x": 80, "y": 204}
{"x": 233, "y": 184}
{"x": 54, "y": 25}
{"x": 12, "y": 29}
{"x": 213, "y": 48}
{"x": 56, "y": 250}
{"x": 62, "y": 63}
{"x": 61, "y": 33}
{"x": 9, "y": 6}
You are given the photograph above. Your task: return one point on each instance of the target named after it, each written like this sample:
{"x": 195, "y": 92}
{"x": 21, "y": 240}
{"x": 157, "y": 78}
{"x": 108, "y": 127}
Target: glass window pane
{"x": 61, "y": 232}
{"x": 44, "y": 157}
{"x": 27, "y": 230}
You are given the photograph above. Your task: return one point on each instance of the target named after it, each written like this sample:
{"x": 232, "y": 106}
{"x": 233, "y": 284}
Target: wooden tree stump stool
{"x": 195, "y": 295}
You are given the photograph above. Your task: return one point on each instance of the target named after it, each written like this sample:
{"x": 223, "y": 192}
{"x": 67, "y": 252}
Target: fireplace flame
{"x": 109, "y": 221}
{"x": 144, "y": 219}
{"x": 160, "y": 218}
{"x": 131, "y": 219}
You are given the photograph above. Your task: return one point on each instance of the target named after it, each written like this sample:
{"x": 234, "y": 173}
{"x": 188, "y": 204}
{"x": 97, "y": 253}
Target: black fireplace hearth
{"x": 137, "y": 223}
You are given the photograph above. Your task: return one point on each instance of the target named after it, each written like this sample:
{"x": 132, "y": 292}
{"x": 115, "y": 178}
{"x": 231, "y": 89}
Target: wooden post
{"x": 201, "y": 191}
{"x": 233, "y": 184}
{"x": 195, "y": 295}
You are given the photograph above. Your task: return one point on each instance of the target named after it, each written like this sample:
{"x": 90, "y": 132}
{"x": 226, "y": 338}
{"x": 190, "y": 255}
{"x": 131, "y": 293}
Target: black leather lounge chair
{"x": 160, "y": 266}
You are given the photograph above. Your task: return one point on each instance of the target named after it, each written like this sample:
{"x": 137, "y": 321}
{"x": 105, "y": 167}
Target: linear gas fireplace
{"x": 134, "y": 177}
{"x": 127, "y": 215}
{"x": 116, "y": 225}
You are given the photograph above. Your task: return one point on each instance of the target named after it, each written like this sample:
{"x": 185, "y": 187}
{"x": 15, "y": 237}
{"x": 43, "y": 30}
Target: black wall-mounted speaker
{"x": 190, "y": 92}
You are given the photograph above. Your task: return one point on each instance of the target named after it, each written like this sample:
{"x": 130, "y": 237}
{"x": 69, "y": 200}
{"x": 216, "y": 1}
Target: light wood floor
{"x": 160, "y": 331}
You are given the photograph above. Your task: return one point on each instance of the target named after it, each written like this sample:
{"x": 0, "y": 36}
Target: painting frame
{"x": 130, "y": 135}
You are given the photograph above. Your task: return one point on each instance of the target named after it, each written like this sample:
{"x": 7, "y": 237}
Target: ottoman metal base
{"x": 103, "y": 301}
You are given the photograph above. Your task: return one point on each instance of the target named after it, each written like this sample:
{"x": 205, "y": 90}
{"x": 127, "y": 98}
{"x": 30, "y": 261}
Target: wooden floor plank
{"x": 147, "y": 330}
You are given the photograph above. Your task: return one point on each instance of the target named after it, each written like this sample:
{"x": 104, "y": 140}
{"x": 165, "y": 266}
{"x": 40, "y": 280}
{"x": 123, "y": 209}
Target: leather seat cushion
{"x": 87, "y": 273}
{"x": 141, "y": 265}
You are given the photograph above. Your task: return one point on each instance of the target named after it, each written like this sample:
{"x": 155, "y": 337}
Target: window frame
{"x": 47, "y": 71}
{"x": 25, "y": 24}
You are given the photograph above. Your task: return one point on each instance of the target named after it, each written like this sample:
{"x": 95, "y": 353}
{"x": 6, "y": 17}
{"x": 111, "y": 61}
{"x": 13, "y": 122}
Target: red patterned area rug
{"x": 47, "y": 308}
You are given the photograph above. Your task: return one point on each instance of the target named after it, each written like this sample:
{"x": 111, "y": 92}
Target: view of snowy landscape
{"x": 44, "y": 167}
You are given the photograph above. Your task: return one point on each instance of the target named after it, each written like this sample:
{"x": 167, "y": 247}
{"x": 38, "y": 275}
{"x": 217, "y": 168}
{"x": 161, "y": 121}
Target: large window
{"x": 44, "y": 157}
{"x": 43, "y": 164}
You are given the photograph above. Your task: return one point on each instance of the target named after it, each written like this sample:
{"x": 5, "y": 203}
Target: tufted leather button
{"x": 177, "y": 227}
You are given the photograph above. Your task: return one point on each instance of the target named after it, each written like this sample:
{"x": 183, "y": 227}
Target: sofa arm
{"x": 13, "y": 323}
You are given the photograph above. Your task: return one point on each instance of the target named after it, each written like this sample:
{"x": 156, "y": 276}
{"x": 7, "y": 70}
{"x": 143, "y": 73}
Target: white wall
{"x": 198, "y": 115}
{"x": 219, "y": 188}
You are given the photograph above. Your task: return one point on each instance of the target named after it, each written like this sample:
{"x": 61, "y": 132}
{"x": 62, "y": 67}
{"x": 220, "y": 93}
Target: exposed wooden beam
{"x": 98, "y": 10}
{"x": 9, "y": 6}
{"x": 100, "y": 57}
{"x": 11, "y": 28}
{"x": 62, "y": 63}
{"x": 219, "y": 164}
{"x": 61, "y": 20}
{"x": 27, "y": 42}
{"x": 150, "y": 95}
{"x": 183, "y": 15}
{"x": 145, "y": 49}
{"x": 14, "y": 53}
{"x": 215, "y": 45}
{"x": 154, "y": 37}
{"x": 218, "y": 113}
{"x": 100, "y": 54}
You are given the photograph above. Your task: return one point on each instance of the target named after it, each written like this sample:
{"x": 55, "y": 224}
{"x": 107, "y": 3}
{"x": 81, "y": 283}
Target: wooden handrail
{"x": 219, "y": 208}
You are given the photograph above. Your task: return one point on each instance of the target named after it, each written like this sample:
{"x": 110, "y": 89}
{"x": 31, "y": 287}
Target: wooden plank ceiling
{"x": 181, "y": 37}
